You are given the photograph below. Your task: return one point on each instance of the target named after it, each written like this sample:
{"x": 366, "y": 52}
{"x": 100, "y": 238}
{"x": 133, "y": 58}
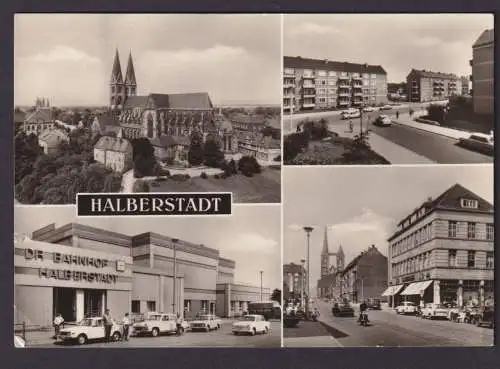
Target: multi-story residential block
{"x": 483, "y": 73}
{"x": 294, "y": 280}
{"x": 365, "y": 276}
{"x": 424, "y": 85}
{"x": 443, "y": 251}
{"x": 326, "y": 84}
{"x": 465, "y": 82}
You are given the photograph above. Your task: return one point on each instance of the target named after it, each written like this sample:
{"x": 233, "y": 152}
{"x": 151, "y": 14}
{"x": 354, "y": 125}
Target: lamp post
{"x": 302, "y": 281}
{"x": 174, "y": 297}
{"x": 261, "y": 299}
{"x": 308, "y": 231}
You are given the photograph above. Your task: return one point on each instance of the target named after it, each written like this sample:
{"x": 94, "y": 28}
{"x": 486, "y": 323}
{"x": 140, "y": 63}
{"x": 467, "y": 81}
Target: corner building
{"x": 79, "y": 271}
{"x": 324, "y": 84}
{"x": 443, "y": 251}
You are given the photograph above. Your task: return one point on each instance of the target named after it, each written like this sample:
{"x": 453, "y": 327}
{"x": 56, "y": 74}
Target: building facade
{"x": 114, "y": 152}
{"x": 443, "y": 251}
{"x": 294, "y": 281}
{"x": 365, "y": 276}
{"x": 482, "y": 64}
{"x": 233, "y": 298}
{"x": 50, "y": 141}
{"x": 79, "y": 271}
{"x": 38, "y": 121}
{"x": 425, "y": 86}
{"x": 325, "y": 84}
{"x": 465, "y": 84}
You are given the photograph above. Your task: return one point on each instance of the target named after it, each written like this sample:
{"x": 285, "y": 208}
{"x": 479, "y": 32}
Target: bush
{"x": 203, "y": 175}
{"x": 436, "y": 113}
{"x": 317, "y": 130}
{"x": 294, "y": 144}
{"x": 249, "y": 166}
{"x": 141, "y": 186}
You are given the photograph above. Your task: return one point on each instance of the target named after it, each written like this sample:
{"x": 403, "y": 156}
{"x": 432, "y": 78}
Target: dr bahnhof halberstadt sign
{"x": 72, "y": 259}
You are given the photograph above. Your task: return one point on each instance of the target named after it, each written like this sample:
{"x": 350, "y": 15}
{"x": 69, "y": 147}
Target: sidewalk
{"x": 405, "y": 120}
{"x": 309, "y": 334}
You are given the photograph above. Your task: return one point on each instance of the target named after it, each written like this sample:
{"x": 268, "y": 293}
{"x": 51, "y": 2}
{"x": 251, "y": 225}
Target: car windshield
{"x": 154, "y": 317}
{"x": 204, "y": 317}
{"x": 249, "y": 318}
{"x": 409, "y": 303}
{"x": 88, "y": 322}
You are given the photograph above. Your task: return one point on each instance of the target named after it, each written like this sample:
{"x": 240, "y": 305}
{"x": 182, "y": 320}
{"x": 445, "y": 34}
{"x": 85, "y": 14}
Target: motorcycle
{"x": 315, "y": 317}
{"x": 363, "y": 319}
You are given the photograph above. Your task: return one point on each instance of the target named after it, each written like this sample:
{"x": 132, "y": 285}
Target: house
{"x": 114, "y": 152}
{"x": 50, "y": 140}
{"x": 171, "y": 148}
{"x": 38, "y": 121}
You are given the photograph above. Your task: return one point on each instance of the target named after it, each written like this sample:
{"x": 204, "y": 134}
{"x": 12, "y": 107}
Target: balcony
{"x": 308, "y": 95}
{"x": 357, "y": 94}
{"x": 357, "y": 78}
{"x": 344, "y": 78}
{"x": 344, "y": 87}
{"x": 288, "y": 85}
{"x": 357, "y": 86}
{"x": 357, "y": 102}
{"x": 308, "y": 105}
{"x": 308, "y": 77}
{"x": 344, "y": 102}
{"x": 288, "y": 74}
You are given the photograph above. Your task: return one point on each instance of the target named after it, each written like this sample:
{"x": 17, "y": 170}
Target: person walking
{"x": 397, "y": 114}
{"x": 178, "y": 325}
{"x": 126, "y": 326}
{"x": 108, "y": 323}
{"x": 58, "y": 322}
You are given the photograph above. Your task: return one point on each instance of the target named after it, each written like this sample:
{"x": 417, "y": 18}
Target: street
{"x": 220, "y": 338}
{"x": 390, "y": 330}
{"x": 434, "y": 147}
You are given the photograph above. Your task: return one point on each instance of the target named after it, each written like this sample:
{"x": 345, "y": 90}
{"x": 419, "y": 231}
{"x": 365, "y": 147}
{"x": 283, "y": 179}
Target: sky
{"x": 362, "y": 205}
{"x": 397, "y": 42}
{"x": 251, "y": 236}
{"x": 68, "y": 57}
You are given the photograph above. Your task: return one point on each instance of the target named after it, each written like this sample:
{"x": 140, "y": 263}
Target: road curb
{"x": 424, "y": 130}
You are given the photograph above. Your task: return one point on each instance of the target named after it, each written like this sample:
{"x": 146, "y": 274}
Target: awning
{"x": 416, "y": 288}
{"x": 392, "y": 290}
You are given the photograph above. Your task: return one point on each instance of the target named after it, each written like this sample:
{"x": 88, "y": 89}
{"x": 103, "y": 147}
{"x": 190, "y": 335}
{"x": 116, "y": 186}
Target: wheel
{"x": 116, "y": 336}
{"x": 155, "y": 332}
{"x": 478, "y": 322}
{"x": 181, "y": 331}
{"x": 266, "y": 330}
{"x": 81, "y": 339}
{"x": 207, "y": 329}
{"x": 253, "y": 332}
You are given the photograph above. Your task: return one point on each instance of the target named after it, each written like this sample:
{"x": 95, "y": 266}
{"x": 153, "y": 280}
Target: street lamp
{"x": 174, "y": 244}
{"x": 308, "y": 231}
{"x": 261, "y": 299}
{"x": 302, "y": 281}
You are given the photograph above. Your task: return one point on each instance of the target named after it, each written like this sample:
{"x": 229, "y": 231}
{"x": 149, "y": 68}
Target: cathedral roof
{"x": 130, "y": 73}
{"x": 116, "y": 73}
{"x": 136, "y": 102}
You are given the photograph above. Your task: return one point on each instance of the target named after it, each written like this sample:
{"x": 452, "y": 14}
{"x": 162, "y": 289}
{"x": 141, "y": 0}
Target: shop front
{"x": 75, "y": 282}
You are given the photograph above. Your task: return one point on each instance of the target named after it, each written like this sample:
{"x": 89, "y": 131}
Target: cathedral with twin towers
{"x": 330, "y": 273}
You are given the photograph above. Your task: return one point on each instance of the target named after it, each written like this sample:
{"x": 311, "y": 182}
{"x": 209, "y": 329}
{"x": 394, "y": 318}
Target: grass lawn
{"x": 332, "y": 152}
{"x": 264, "y": 187}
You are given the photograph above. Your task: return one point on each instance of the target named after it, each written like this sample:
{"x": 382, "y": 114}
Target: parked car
{"x": 350, "y": 115}
{"x": 88, "y": 329}
{"x": 251, "y": 324}
{"x": 435, "y": 311}
{"x": 369, "y": 109}
{"x": 383, "y": 121}
{"x": 374, "y": 304}
{"x": 349, "y": 111}
{"x": 19, "y": 342}
{"x": 480, "y": 142}
{"x": 343, "y": 309}
{"x": 155, "y": 324}
{"x": 485, "y": 316}
{"x": 207, "y": 323}
{"x": 385, "y": 107}
{"x": 406, "y": 307}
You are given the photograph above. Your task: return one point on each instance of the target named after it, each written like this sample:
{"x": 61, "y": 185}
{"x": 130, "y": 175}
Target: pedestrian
{"x": 397, "y": 115}
{"x": 351, "y": 127}
{"x": 178, "y": 324}
{"x": 126, "y": 326}
{"x": 58, "y": 322}
{"x": 108, "y": 323}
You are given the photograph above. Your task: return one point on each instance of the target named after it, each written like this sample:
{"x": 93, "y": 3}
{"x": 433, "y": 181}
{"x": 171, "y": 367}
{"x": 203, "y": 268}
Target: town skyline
{"x": 249, "y": 234}
{"x": 358, "y": 216}
{"x": 413, "y": 38}
{"x": 229, "y": 56}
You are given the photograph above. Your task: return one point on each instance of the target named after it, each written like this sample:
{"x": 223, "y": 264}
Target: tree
{"x": 276, "y": 295}
{"x": 141, "y": 186}
{"x": 212, "y": 156}
{"x": 195, "y": 154}
{"x": 249, "y": 166}
{"x": 144, "y": 159}
{"x": 436, "y": 113}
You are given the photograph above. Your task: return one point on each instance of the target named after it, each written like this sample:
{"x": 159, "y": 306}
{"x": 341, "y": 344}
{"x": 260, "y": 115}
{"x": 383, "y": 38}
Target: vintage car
{"x": 374, "y": 304}
{"x": 350, "y": 115}
{"x": 435, "y": 311}
{"x": 343, "y": 309}
{"x": 369, "y": 109}
{"x": 485, "y": 316}
{"x": 385, "y": 107}
{"x": 383, "y": 121}
{"x": 155, "y": 324}
{"x": 479, "y": 142}
{"x": 251, "y": 324}
{"x": 88, "y": 329}
{"x": 206, "y": 322}
{"x": 406, "y": 307}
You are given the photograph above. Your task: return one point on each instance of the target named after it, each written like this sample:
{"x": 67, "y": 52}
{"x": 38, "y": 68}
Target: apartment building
{"x": 324, "y": 84}
{"x": 365, "y": 276}
{"x": 424, "y": 85}
{"x": 443, "y": 251}
{"x": 483, "y": 73}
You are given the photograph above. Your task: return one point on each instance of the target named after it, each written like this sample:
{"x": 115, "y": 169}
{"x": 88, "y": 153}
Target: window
{"x": 332, "y": 73}
{"x": 289, "y": 71}
{"x": 323, "y": 82}
{"x": 151, "y": 305}
{"x": 452, "y": 229}
{"x": 366, "y": 75}
{"x": 322, "y": 73}
{"x": 452, "y": 258}
{"x": 471, "y": 259}
{"x": 373, "y": 76}
{"x": 331, "y": 82}
{"x": 187, "y": 305}
{"x": 489, "y": 231}
{"x": 204, "y": 305}
{"x": 136, "y": 306}
{"x": 343, "y": 74}
{"x": 308, "y": 73}
{"x": 471, "y": 230}
{"x": 470, "y": 204}
{"x": 374, "y": 91}
{"x": 490, "y": 260}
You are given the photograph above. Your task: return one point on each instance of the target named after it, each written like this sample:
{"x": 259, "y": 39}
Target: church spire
{"x": 325, "y": 242}
{"x": 116, "y": 73}
{"x": 130, "y": 73}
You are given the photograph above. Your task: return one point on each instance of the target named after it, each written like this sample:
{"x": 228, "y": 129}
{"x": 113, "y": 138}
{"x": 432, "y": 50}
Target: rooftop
{"x": 113, "y": 144}
{"x": 431, "y": 74}
{"x": 325, "y": 64}
{"x": 487, "y": 37}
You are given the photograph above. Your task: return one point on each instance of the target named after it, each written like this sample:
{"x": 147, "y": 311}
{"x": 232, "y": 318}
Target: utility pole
{"x": 174, "y": 299}
{"x": 261, "y": 299}
{"x": 308, "y": 231}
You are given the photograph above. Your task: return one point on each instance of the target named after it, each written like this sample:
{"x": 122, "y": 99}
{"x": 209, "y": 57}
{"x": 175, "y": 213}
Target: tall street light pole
{"x": 261, "y": 299}
{"x": 308, "y": 231}
{"x": 302, "y": 281}
{"x": 174, "y": 297}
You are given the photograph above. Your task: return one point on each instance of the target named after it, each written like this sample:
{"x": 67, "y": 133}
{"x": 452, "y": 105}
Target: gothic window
{"x": 150, "y": 125}
{"x": 119, "y": 100}
{"x": 113, "y": 89}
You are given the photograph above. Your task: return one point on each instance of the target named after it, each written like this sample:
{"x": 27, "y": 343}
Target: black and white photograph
{"x": 388, "y": 256}
{"x": 109, "y": 282}
{"x": 380, "y": 89}
{"x": 147, "y": 103}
